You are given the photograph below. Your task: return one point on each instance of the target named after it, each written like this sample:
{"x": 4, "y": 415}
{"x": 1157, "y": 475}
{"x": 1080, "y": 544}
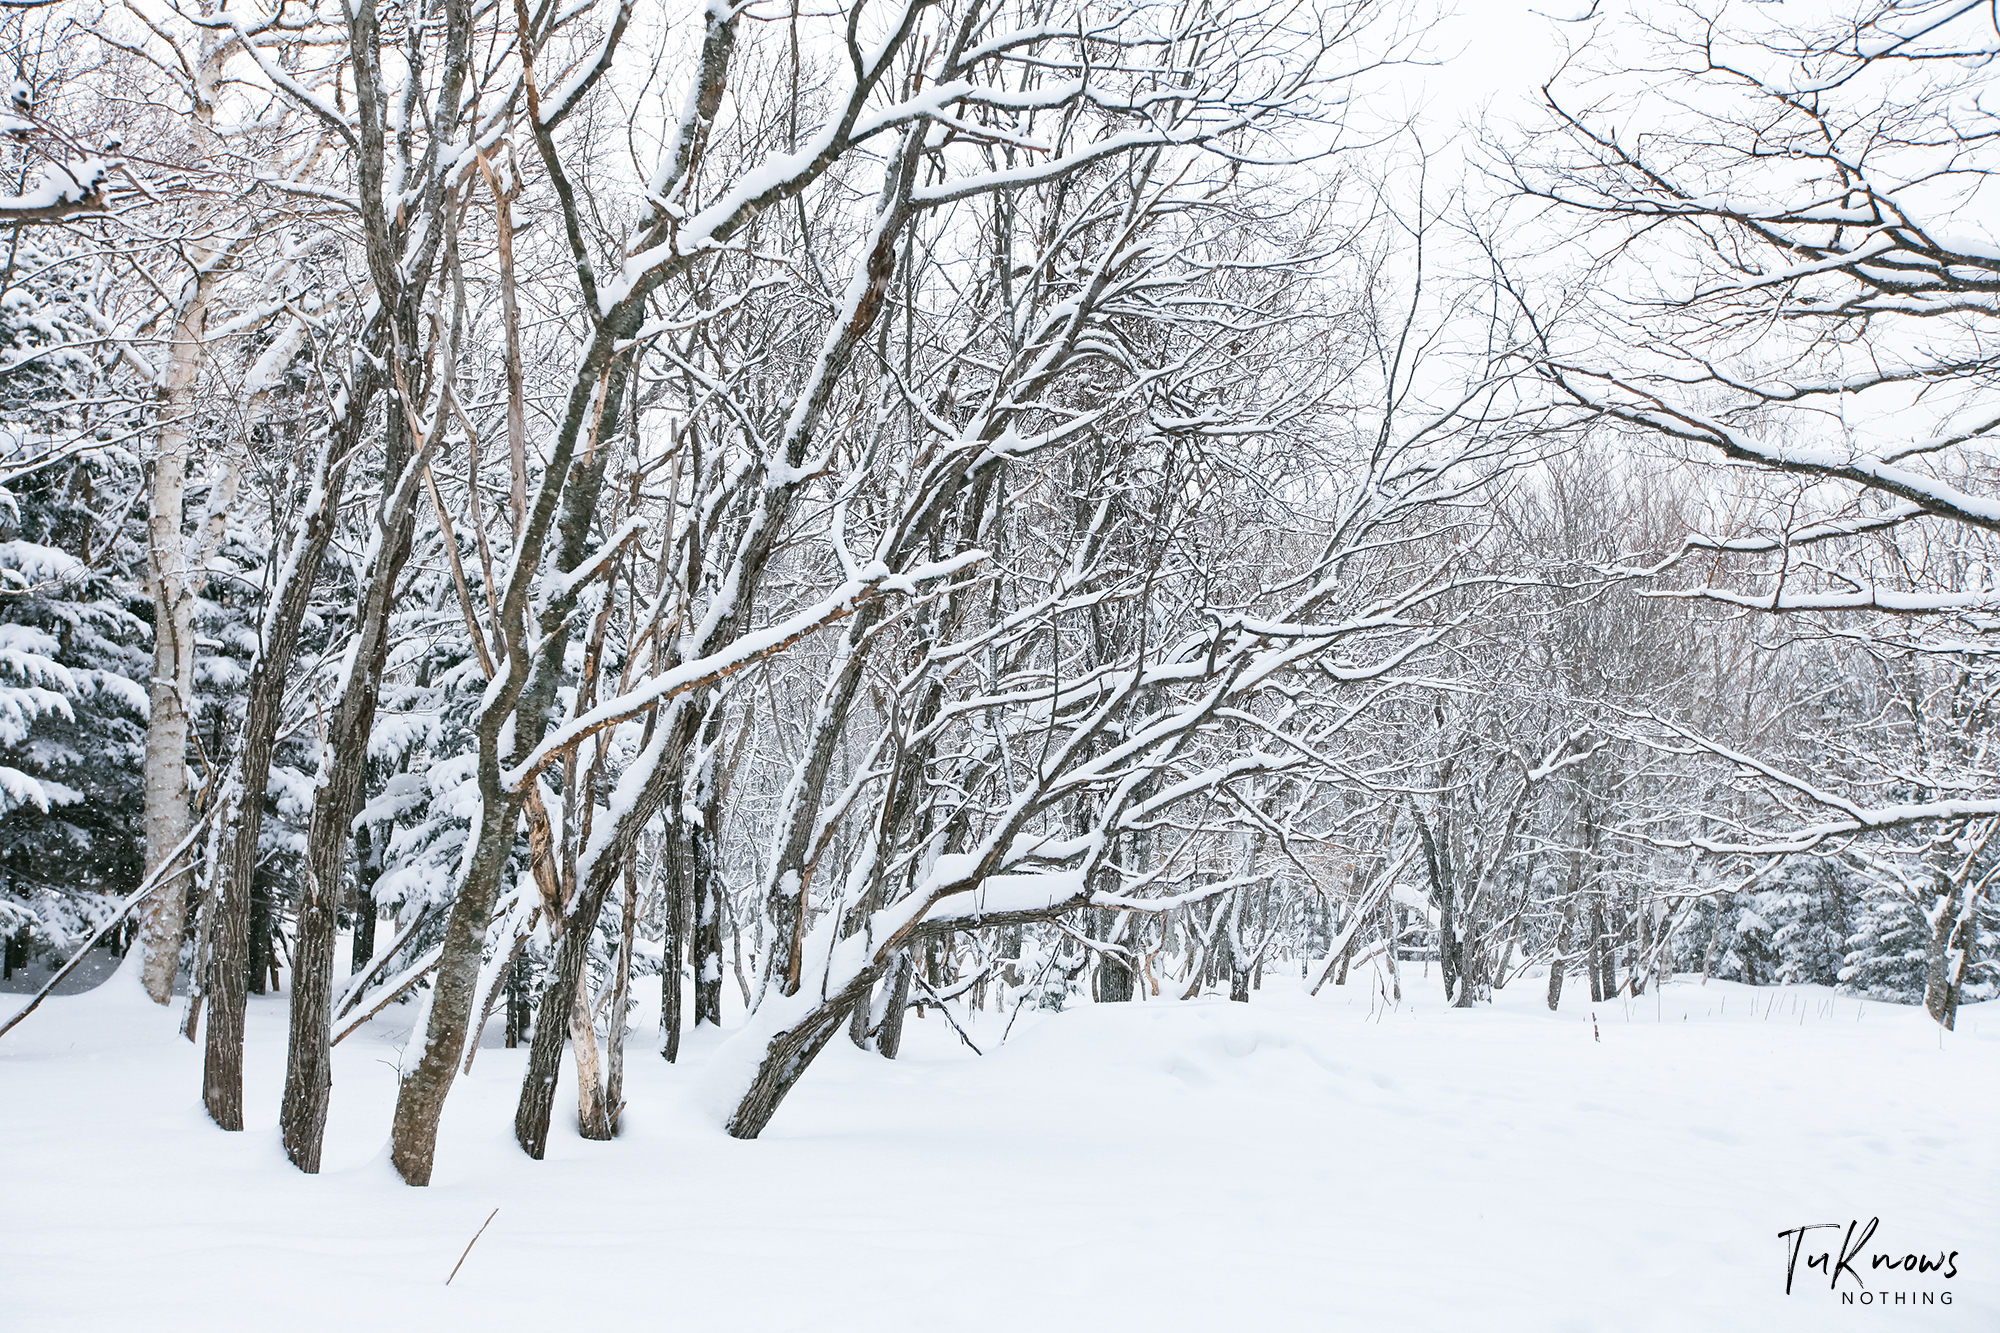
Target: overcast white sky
{"x": 1494, "y": 54}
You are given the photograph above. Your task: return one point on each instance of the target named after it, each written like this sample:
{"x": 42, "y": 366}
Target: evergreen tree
{"x": 72, "y": 607}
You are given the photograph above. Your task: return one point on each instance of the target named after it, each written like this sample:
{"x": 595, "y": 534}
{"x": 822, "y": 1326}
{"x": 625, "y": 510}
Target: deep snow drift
{"x": 1294, "y": 1162}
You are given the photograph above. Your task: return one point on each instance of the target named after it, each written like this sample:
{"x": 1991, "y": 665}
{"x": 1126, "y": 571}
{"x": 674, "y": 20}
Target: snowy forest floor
{"x": 1315, "y": 1163}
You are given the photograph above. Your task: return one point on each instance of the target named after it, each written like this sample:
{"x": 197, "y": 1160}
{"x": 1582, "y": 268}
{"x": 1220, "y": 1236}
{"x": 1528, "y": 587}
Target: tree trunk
{"x": 789, "y": 1055}
{"x": 309, "y": 1068}
{"x": 1471, "y": 974}
{"x": 174, "y": 582}
{"x": 1607, "y": 957}
{"x": 176, "y": 573}
{"x": 420, "y": 1098}
{"x": 933, "y": 975}
{"x": 1557, "y": 963}
{"x": 229, "y": 930}
{"x": 708, "y": 888}
{"x": 259, "y": 939}
{"x": 1437, "y": 862}
{"x": 1232, "y": 937}
{"x": 1114, "y": 977}
{"x": 614, "y": 1035}
{"x": 895, "y": 1004}
{"x": 675, "y": 891}
{"x": 168, "y": 815}
{"x": 859, "y": 1029}
{"x": 593, "y": 1111}
{"x": 1506, "y": 953}
{"x": 565, "y": 1010}
{"x": 1641, "y": 945}
{"x": 367, "y": 869}
{"x": 1221, "y": 953}
{"x": 517, "y": 1000}
{"x": 1945, "y": 954}
{"x": 1392, "y": 933}
{"x": 203, "y": 907}
{"x": 1593, "y": 953}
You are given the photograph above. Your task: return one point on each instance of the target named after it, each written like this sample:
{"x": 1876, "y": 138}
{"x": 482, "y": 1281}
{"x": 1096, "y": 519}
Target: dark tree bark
{"x": 673, "y": 943}
{"x": 1587, "y": 843}
{"x": 765, "y": 532}
{"x": 789, "y": 1055}
{"x": 1641, "y": 945}
{"x": 1559, "y": 961}
{"x": 1229, "y": 954}
{"x": 1114, "y": 976}
{"x": 859, "y": 1023}
{"x": 1444, "y": 881}
{"x": 705, "y": 871}
{"x": 367, "y": 869}
{"x": 1114, "y": 980}
{"x": 229, "y": 939}
{"x": 413, "y": 1142}
{"x": 895, "y": 1004}
{"x": 1602, "y": 978}
{"x": 259, "y": 939}
{"x": 517, "y": 1000}
{"x": 788, "y": 881}
{"x": 1221, "y": 959}
{"x": 1607, "y": 961}
{"x": 1392, "y": 931}
{"x": 1951, "y": 934}
{"x": 1593, "y": 924}
{"x": 390, "y": 335}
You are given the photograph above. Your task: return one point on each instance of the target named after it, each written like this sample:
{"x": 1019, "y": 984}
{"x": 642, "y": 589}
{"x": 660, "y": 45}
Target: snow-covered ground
{"x": 1296, "y": 1163}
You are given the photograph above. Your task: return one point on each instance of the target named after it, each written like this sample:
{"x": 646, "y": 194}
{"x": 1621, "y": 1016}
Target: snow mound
{"x": 1209, "y": 1043}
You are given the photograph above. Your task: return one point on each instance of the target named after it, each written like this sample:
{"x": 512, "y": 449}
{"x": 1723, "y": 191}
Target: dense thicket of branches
{"x": 962, "y": 505}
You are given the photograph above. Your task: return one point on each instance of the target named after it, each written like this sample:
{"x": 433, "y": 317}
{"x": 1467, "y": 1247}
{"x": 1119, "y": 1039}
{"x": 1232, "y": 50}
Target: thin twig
{"x": 159, "y": 879}
{"x": 945, "y": 1009}
{"x": 1024, "y": 996}
{"x": 469, "y": 1244}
